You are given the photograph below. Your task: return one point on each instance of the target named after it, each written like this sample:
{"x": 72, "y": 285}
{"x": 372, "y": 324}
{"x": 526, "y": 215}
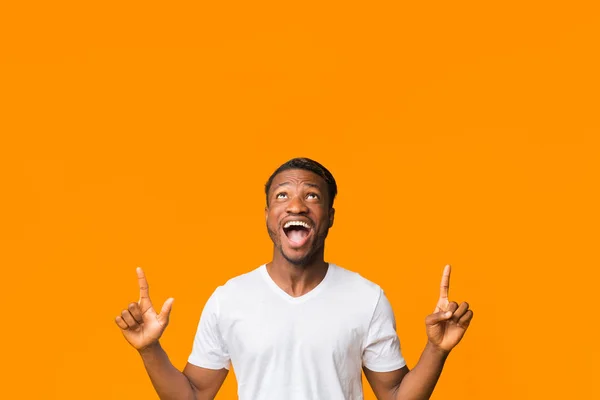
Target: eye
{"x": 281, "y": 195}
{"x": 312, "y": 196}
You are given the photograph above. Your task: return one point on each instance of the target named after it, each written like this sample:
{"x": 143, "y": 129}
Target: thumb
{"x": 438, "y": 317}
{"x": 165, "y": 311}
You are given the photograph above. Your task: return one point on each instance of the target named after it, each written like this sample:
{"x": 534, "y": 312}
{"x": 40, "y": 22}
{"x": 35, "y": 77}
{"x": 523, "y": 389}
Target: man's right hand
{"x": 140, "y": 324}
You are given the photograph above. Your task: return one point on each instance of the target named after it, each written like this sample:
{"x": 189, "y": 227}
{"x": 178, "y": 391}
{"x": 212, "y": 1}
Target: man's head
{"x": 299, "y": 209}
{"x": 308, "y": 165}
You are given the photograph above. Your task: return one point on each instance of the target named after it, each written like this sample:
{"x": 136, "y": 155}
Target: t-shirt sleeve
{"x": 381, "y": 351}
{"x": 209, "y": 349}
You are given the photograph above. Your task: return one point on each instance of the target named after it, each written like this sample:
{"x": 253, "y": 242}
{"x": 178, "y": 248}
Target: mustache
{"x": 312, "y": 223}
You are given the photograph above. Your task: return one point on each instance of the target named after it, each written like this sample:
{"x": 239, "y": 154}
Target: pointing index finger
{"x": 143, "y": 283}
{"x": 445, "y": 285}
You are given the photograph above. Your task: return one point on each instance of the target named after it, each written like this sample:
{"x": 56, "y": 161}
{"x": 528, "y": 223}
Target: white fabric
{"x": 311, "y": 347}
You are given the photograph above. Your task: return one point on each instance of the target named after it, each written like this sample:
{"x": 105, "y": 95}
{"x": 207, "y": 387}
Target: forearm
{"x": 419, "y": 383}
{"x": 168, "y": 381}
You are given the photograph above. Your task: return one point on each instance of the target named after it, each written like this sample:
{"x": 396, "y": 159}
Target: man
{"x": 298, "y": 327}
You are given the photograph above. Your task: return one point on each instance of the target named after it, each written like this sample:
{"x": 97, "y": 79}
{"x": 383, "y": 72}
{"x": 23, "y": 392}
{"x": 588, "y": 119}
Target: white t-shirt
{"x": 298, "y": 348}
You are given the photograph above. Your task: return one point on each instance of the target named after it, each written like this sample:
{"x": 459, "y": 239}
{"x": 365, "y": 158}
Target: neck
{"x": 294, "y": 279}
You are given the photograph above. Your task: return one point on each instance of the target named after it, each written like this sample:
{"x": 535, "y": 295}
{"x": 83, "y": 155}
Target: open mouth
{"x": 297, "y": 232}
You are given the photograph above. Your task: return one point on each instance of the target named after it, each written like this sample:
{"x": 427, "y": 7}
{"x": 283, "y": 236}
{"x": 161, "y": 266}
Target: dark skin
{"x": 445, "y": 328}
{"x": 302, "y": 195}
{"x": 142, "y": 327}
{"x": 298, "y": 266}
{"x": 298, "y": 195}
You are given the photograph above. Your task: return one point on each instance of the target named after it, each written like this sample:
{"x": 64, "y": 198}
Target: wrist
{"x": 150, "y": 349}
{"x": 436, "y": 350}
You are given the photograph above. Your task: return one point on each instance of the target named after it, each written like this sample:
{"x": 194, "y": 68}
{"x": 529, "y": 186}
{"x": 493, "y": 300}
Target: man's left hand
{"x": 449, "y": 322}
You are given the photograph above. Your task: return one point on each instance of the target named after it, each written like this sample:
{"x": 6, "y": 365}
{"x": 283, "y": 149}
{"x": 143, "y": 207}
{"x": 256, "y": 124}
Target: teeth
{"x": 296, "y": 223}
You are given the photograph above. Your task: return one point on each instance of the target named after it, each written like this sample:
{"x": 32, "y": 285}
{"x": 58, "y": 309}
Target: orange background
{"x": 141, "y": 134}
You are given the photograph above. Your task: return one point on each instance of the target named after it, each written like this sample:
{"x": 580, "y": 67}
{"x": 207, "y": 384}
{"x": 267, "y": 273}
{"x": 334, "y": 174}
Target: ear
{"x": 266, "y": 213}
{"x": 331, "y": 215}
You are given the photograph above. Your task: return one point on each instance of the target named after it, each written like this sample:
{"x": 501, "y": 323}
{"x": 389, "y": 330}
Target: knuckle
{"x": 468, "y": 315}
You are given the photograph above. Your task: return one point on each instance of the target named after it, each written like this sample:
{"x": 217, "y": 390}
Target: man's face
{"x": 298, "y": 214}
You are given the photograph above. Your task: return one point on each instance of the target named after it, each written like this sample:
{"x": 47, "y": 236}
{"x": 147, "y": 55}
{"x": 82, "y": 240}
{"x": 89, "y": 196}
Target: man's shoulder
{"x": 245, "y": 278}
{"x": 353, "y": 280}
{"x": 241, "y": 283}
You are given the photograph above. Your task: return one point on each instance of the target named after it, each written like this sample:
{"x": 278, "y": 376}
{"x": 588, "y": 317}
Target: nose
{"x": 296, "y": 206}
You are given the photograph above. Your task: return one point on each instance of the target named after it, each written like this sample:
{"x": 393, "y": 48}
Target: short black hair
{"x": 308, "y": 165}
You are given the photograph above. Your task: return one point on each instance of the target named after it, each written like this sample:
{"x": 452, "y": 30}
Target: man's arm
{"x": 445, "y": 328}
{"x": 142, "y": 327}
{"x": 194, "y": 383}
{"x": 403, "y": 384}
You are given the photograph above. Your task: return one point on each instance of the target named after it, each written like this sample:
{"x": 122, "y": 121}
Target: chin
{"x": 298, "y": 260}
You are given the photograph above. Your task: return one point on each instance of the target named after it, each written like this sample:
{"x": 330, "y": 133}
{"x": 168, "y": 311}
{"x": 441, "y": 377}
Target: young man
{"x": 297, "y": 328}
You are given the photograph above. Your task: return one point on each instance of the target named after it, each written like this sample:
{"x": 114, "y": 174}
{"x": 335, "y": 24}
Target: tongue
{"x": 297, "y": 235}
